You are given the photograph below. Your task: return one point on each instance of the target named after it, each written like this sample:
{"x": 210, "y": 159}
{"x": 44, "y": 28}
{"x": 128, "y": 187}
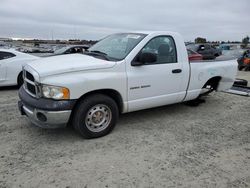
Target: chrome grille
{"x": 31, "y": 88}
{"x": 29, "y": 84}
{"x": 29, "y": 76}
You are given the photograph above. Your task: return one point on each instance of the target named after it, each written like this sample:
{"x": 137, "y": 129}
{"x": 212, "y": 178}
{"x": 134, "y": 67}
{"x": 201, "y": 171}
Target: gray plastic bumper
{"x": 46, "y": 119}
{"x": 45, "y": 113}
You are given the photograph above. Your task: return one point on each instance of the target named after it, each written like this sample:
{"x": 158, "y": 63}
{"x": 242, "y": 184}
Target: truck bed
{"x": 202, "y": 71}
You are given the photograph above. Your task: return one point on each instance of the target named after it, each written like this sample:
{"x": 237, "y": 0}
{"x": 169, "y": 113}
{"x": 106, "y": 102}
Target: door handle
{"x": 175, "y": 71}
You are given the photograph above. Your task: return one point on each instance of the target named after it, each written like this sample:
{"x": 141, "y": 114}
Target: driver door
{"x": 158, "y": 83}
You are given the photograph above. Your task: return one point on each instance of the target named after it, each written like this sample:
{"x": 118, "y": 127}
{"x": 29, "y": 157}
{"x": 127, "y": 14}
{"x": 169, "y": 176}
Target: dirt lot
{"x": 172, "y": 146}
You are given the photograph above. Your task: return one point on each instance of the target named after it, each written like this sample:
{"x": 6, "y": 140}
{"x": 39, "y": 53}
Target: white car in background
{"x": 11, "y": 63}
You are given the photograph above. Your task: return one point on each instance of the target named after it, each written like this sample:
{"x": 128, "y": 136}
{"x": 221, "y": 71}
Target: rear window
{"x": 193, "y": 47}
{"x": 6, "y": 55}
{"x": 190, "y": 52}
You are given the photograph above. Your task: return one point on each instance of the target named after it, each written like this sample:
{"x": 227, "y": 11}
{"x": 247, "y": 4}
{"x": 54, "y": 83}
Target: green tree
{"x": 245, "y": 42}
{"x": 200, "y": 40}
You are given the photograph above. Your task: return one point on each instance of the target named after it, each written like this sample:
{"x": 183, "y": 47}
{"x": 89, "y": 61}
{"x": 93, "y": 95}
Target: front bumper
{"x": 45, "y": 113}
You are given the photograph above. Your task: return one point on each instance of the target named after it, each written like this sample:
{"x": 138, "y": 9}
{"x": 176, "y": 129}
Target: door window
{"x": 6, "y": 55}
{"x": 163, "y": 47}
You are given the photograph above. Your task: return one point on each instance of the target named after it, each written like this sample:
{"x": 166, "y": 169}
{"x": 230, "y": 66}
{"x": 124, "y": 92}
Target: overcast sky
{"x": 93, "y": 19}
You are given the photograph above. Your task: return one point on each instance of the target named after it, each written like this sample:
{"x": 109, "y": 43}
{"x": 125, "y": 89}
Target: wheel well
{"x": 20, "y": 74}
{"x": 213, "y": 82}
{"x": 115, "y": 95}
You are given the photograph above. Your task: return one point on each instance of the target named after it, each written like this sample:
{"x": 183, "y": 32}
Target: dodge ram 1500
{"x": 122, "y": 73}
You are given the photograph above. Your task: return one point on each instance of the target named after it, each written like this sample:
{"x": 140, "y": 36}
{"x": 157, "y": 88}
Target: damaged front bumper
{"x": 45, "y": 113}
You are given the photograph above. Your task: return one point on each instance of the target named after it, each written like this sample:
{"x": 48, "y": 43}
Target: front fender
{"x": 82, "y": 82}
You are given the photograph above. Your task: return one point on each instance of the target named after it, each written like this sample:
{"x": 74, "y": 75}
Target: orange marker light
{"x": 66, "y": 93}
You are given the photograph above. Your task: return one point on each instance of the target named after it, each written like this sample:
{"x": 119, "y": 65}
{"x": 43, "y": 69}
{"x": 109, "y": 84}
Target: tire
{"x": 20, "y": 80}
{"x": 95, "y": 116}
{"x": 240, "y": 67}
{"x": 240, "y": 82}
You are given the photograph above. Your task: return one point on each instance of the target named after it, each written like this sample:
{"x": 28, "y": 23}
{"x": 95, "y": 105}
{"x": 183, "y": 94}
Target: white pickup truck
{"x": 122, "y": 73}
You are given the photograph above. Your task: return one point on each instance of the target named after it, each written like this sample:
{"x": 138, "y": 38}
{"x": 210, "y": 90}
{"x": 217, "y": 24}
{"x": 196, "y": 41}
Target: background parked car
{"x": 71, "y": 50}
{"x": 224, "y": 47}
{"x": 206, "y": 50}
{"x": 194, "y": 56}
{"x": 244, "y": 61}
{"x": 11, "y": 63}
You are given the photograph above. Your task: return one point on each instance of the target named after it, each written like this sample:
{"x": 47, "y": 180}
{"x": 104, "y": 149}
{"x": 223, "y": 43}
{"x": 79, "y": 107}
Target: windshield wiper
{"x": 97, "y": 53}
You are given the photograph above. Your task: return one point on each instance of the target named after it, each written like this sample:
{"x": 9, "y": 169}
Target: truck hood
{"x": 68, "y": 63}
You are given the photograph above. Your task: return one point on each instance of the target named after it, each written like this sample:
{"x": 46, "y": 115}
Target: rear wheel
{"x": 240, "y": 67}
{"x": 95, "y": 116}
{"x": 209, "y": 87}
{"x": 20, "y": 79}
{"x": 213, "y": 57}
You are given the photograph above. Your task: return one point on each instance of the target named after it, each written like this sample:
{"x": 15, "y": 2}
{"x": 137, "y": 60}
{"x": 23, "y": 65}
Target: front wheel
{"x": 20, "y": 79}
{"x": 95, "y": 116}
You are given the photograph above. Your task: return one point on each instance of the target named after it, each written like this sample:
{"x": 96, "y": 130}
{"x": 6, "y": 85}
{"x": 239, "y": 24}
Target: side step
{"x": 240, "y": 82}
{"x": 239, "y": 90}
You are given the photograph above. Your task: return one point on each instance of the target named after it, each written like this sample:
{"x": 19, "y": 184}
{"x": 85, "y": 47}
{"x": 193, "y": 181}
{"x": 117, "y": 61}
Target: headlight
{"x": 55, "y": 92}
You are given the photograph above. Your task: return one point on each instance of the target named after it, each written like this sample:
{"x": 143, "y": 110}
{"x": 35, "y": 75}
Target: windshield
{"x": 61, "y": 50}
{"x": 117, "y": 46}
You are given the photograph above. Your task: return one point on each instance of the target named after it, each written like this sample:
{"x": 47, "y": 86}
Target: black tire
{"x": 20, "y": 80}
{"x": 83, "y": 110}
{"x": 240, "y": 82}
{"x": 240, "y": 67}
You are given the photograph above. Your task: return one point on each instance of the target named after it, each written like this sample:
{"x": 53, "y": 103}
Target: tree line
{"x": 244, "y": 42}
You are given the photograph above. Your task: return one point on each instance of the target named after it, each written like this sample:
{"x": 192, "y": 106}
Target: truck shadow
{"x": 151, "y": 114}
{"x": 126, "y": 121}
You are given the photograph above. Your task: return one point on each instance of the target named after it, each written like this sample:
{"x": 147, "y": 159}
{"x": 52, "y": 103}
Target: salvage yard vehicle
{"x": 71, "y": 50}
{"x": 244, "y": 61}
{"x": 122, "y": 73}
{"x": 194, "y": 56}
{"x": 206, "y": 50}
{"x": 11, "y": 62}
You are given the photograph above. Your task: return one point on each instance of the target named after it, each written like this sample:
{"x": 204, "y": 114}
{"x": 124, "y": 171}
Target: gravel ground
{"x": 171, "y": 146}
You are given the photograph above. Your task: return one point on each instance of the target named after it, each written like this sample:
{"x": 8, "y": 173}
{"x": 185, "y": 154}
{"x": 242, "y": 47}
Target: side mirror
{"x": 202, "y": 48}
{"x": 144, "y": 58}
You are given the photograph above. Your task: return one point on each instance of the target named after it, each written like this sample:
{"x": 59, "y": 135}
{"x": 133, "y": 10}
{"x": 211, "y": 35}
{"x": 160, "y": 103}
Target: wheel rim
{"x": 98, "y": 118}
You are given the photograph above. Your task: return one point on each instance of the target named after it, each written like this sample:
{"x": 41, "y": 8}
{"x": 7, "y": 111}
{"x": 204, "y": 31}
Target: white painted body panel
{"x": 69, "y": 63}
{"x": 82, "y": 82}
{"x": 165, "y": 87}
{"x": 83, "y": 74}
{"x": 10, "y": 68}
{"x": 201, "y": 72}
